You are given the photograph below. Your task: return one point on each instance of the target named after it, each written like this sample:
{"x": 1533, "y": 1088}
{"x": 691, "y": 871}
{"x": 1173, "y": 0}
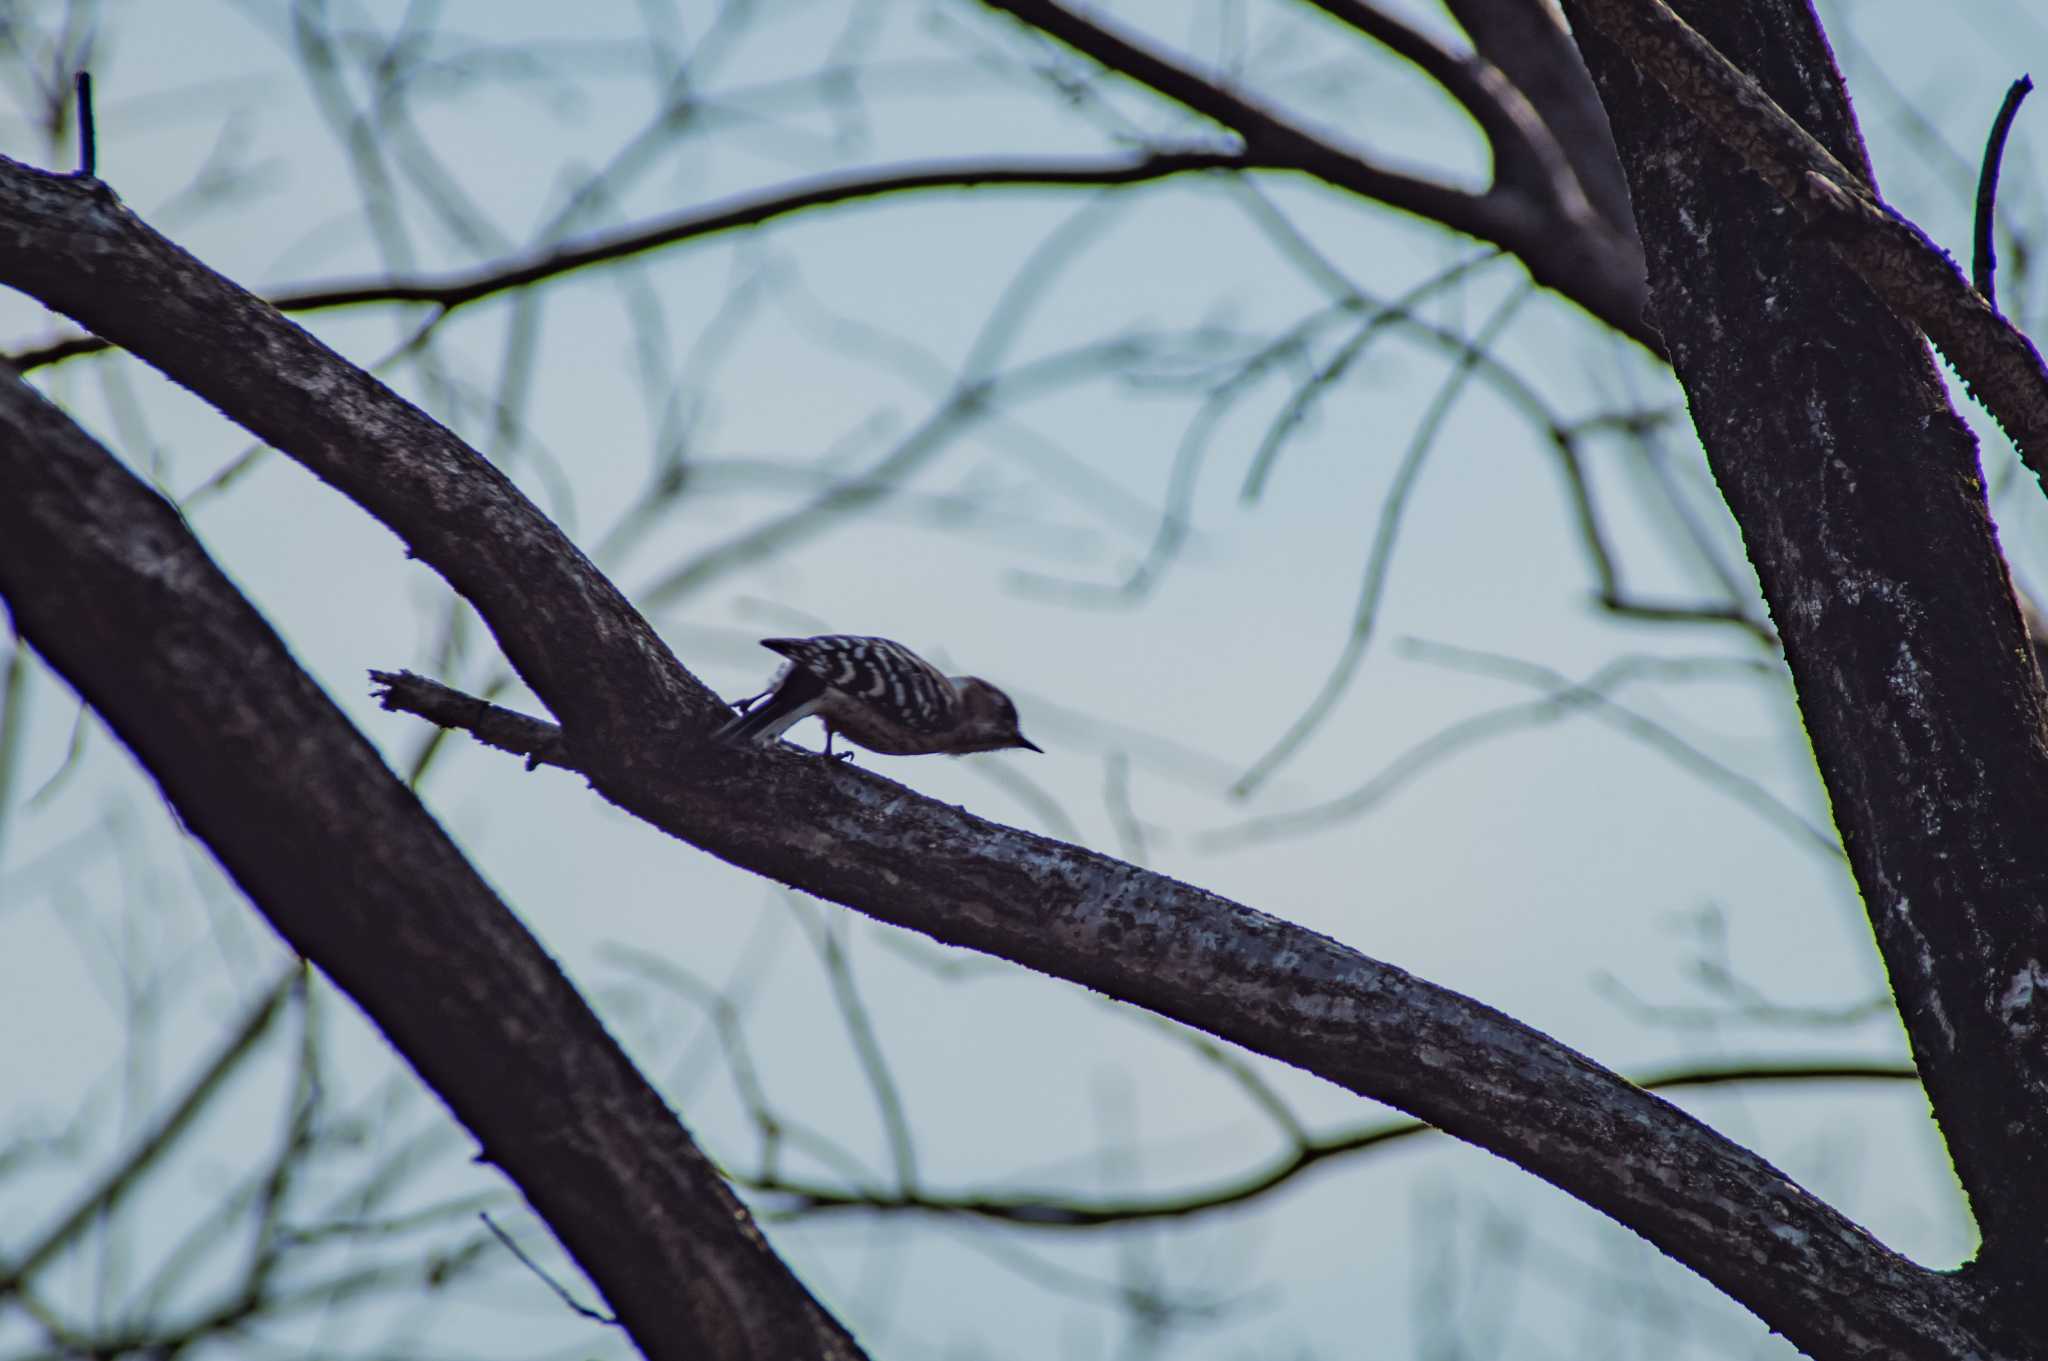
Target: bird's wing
{"x": 877, "y": 672}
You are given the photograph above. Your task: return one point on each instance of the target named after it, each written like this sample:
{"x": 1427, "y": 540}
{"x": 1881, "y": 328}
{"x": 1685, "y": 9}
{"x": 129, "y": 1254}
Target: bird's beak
{"x": 1028, "y": 744}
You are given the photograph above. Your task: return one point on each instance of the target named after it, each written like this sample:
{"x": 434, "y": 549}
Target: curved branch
{"x": 1861, "y": 499}
{"x": 1286, "y": 992}
{"x": 1984, "y": 255}
{"x": 1053, "y": 1211}
{"x": 77, "y": 247}
{"x": 634, "y": 719}
{"x": 452, "y": 291}
{"x": 1526, "y": 158}
{"x": 1913, "y": 276}
{"x": 1529, "y": 43}
{"x": 1574, "y": 255}
{"x": 106, "y": 582}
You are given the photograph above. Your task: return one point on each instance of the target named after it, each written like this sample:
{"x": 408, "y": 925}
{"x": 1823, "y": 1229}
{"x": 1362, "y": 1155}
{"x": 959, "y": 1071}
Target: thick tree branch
{"x": 1863, "y": 509}
{"x": 1527, "y": 42}
{"x": 104, "y": 580}
{"x": 855, "y": 838}
{"x": 1526, "y": 158}
{"x": 1915, "y": 277}
{"x": 848, "y": 835}
{"x": 1577, "y": 256}
{"x": 76, "y": 247}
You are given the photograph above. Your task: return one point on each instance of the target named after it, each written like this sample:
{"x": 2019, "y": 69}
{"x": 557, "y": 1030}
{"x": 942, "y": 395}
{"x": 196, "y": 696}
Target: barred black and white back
{"x": 880, "y": 695}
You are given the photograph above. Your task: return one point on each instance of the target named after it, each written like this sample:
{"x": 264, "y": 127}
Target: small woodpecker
{"x": 879, "y": 695}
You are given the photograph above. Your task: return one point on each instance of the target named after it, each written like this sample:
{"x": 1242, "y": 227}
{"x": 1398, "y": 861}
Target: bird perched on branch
{"x": 879, "y": 695}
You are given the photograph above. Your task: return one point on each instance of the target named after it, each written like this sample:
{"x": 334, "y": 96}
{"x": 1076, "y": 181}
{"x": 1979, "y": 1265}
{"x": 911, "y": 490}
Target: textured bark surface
{"x": 104, "y": 580}
{"x": 77, "y": 248}
{"x": 852, "y": 837}
{"x": 1525, "y": 39}
{"x": 1838, "y": 202}
{"x": 1554, "y": 227}
{"x": 1862, "y": 505}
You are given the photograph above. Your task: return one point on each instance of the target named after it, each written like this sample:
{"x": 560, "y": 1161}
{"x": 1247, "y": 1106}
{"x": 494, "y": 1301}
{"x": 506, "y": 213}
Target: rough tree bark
{"x": 858, "y": 839}
{"x": 1860, "y": 498}
{"x": 1863, "y": 508}
{"x": 104, "y": 580}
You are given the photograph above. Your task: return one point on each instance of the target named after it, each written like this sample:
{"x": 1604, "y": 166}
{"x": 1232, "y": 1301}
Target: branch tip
{"x": 1984, "y": 264}
{"x": 88, "y": 137}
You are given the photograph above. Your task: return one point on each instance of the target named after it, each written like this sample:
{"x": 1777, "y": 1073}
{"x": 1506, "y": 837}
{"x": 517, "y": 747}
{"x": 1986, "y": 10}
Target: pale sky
{"x": 1547, "y": 872}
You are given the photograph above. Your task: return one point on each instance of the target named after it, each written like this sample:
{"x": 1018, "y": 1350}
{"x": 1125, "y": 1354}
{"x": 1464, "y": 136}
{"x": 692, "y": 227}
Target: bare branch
{"x": 1984, "y": 260}
{"x": 1219, "y": 966}
{"x": 506, "y": 729}
{"x": 1573, "y": 254}
{"x": 103, "y": 578}
{"x": 1051, "y": 1210}
{"x": 1529, "y": 44}
{"x": 1379, "y": 559}
{"x": 209, "y": 1082}
{"x": 632, "y": 718}
{"x": 1526, "y": 158}
{"x": 1915, "y": 683}
{"x": 1916, "y": 278}
{"x": 454, "y": 291}
{"x": 88, "y": 137}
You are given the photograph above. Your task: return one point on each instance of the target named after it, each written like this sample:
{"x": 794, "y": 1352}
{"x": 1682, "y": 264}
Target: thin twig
{"x": 561, "y": 1291}
{"x": 824, "y": 932}
{"x": 451, "y": 292}
{"x": 122, "y": 1179}
{"x": 1393, "y": 509}
{"x": 1054, "y": 1211}
{"x": 1300, "y": 405}
{"x": 1984, "y": 264}
{"x": 88, "y": 137}
{"x": 1599, "y": 704}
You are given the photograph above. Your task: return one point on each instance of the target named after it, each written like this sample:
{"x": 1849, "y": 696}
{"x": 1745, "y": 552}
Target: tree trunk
{"x": 1863, "y": 508}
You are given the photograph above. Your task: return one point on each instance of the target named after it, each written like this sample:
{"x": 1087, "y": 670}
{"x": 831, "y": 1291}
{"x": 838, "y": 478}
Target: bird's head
{"x": 989, "y": 719}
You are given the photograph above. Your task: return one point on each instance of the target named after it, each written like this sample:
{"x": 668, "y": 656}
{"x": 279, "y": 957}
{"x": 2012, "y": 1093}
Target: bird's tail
{"x": 746, "y": 729}
{"x": 792, "y": 701}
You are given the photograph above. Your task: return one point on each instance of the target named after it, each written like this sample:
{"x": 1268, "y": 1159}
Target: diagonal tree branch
{"x": 408, "y": 470}
{"x": 104, "y": 580}
{"x": 1916, "y": 278}
{"x": 1861, "y": 499}
{"x": 631, "y": 720}
{"x": 850, "y": 836}
{"x": 1576, "y": 255}
{"x": 1528, "y": 42}
{"x": 1526, "y": 158}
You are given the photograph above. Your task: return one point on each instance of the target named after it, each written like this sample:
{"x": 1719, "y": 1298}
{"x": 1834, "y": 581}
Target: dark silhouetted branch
{"x": 1984, "y": 262}
{"x": 88, "y": 134}
{"x": 1565, "y": 245}
{"x": 454, "y": 291}
{"x": 103, "y": 578}
{"x": 1913, "y": 276}
{"x": 1054, "y": 1211}
{"x": 634, "y": 720}
{"x": 1825, "y": 422}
